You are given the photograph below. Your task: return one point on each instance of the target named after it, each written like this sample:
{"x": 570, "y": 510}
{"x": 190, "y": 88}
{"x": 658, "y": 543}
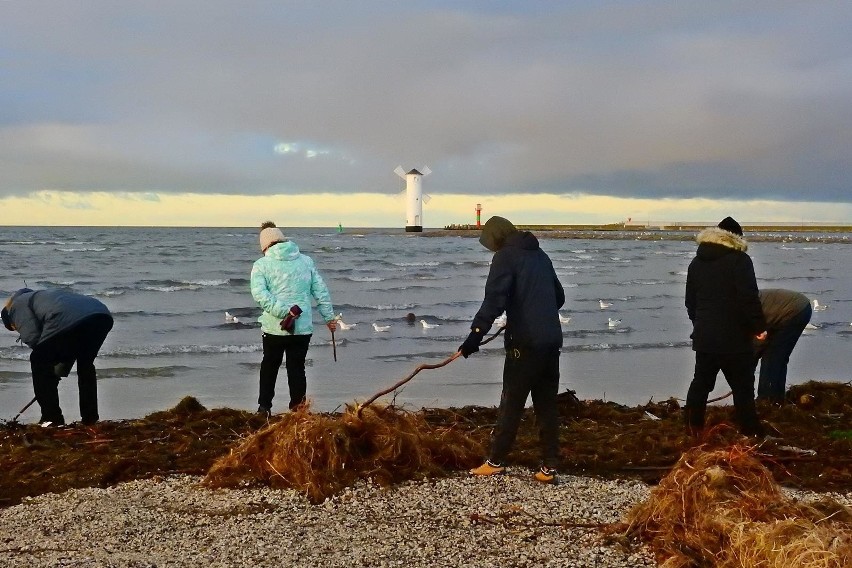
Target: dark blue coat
{"x": 522, "y": 283}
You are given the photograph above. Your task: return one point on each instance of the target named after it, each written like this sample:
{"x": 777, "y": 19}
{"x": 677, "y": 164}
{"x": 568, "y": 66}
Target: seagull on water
{"x": 812, "y": 326}
{"x": 501, "y": 320}
{"x": 564, "y": 319}
{"x": 605, "y": 305}
{"x": 613, "y": 322}
{"x": 229, "y": 318}
{"x": 427, "y": 325}
{"x": 378, "y": 327}
{"x": 819, "y": 307}
{"x": 342, "y": 324}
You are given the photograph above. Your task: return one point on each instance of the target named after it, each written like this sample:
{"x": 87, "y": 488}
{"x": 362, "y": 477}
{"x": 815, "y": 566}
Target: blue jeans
{"x": 775, "y": 355}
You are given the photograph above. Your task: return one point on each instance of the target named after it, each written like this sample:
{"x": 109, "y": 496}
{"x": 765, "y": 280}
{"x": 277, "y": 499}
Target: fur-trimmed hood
{"x": 717, "y": 236}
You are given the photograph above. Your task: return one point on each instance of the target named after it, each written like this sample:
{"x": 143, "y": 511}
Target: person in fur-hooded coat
{"x": 723, "y": 304}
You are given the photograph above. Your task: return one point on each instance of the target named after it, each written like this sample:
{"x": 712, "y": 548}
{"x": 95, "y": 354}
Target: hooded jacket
{"x": 43, "y": 314}
{"x": 721, "y": 294}
{"x": 284, "y": 277}
{"x": 521, "y": 282}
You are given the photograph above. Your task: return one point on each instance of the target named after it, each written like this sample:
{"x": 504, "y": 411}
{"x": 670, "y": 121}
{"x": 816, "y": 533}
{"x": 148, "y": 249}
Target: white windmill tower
{"x": 413, "y": 197}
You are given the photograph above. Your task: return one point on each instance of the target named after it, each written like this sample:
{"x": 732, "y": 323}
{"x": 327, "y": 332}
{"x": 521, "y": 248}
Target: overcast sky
{"x": 747, "y": 100}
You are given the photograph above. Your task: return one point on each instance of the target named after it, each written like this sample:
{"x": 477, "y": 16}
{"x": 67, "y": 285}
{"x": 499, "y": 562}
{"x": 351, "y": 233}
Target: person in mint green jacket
{"x": 284, "y": 283}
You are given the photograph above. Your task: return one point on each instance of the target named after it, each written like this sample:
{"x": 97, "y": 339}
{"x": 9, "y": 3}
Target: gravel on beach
{"x": 507, "y": 520}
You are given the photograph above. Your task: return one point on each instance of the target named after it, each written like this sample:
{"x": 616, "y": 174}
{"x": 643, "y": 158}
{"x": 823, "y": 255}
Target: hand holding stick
{"x": 332, "y": 325}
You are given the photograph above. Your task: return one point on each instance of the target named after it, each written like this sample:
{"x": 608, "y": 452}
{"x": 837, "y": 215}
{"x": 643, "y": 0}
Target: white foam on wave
{"x": 160, "y": 350}
{"x": 82, "y": 249}
{"x": 424, "y": 263}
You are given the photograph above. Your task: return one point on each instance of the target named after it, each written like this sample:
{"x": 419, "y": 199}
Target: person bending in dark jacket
{"x": 61, "y": 327}
{"x": 787, "y": 313}
{"x": 722, "y": 302}
{"x": 522, "y": 283}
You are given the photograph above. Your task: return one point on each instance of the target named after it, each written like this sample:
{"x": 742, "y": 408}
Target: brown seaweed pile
{"x": 811, "y": 445}
{"x": 721, "y": 507}
{"x": 321, "y": 454}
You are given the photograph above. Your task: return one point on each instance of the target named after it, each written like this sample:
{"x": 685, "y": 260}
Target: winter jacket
{"x": 43, "y": 314}
{"x": 284, "y": 277}
{"x": 522, "y": 283}
{"x": 721, "y": 294}
{"x": 780, "y": 306}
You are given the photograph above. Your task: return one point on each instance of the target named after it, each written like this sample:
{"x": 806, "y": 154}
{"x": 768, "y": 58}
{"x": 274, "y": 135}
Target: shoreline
{"x": 129, "y": 493}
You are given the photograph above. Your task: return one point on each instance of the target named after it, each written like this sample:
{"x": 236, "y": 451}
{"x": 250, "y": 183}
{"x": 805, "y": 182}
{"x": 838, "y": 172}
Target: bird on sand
{"x": 378, "y": 327}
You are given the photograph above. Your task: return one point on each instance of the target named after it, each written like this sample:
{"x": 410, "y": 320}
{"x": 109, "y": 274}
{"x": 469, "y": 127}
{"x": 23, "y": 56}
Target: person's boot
{"x": 265, "y": 411}
{"x": 546, "y": 475}
{"x": 51, "y": 421}
{"x": 488, "y": 468}
{"x": 694, "y": 421}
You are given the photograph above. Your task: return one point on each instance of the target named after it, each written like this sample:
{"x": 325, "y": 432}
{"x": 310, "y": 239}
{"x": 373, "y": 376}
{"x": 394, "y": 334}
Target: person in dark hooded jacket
{"x": 61, "y": 327}
{"x": 723, "y": 304}
{"x": 522, "y": 282}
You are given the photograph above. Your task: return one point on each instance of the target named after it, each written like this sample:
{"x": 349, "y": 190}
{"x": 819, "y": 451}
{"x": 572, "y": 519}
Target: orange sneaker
{"x": 545, "y": 475}
{"x": 488, "y": 468}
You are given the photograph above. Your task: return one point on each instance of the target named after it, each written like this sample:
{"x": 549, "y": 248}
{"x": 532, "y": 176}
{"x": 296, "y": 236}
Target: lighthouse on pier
{"x": 413, "y": 197}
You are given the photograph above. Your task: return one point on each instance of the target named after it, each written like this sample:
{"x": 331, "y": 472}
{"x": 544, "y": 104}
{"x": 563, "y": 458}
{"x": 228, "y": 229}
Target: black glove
{"x": 63, "y": 368}
{"x": 471, "y": 344}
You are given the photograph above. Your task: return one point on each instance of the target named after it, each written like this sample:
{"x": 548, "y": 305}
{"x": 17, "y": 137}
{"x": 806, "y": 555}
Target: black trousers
{"x": 529, "y": 372}
{"x": 738, "y": 369}
{"x": 275, "y": 347}
{"x": 80, "y": 344}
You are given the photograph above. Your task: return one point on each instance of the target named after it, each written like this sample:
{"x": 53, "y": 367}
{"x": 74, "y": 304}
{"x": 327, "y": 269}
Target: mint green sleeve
{"x": 264, "y": 298}
{"x": 320, "y": 293}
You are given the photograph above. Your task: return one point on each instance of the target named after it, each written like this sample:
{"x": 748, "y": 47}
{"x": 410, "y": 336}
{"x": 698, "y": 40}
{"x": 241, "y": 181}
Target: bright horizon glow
{"x": 63, "y": 208}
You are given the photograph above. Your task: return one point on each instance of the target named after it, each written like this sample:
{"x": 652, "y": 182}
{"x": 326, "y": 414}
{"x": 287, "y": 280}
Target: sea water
{"x": 169, "y": 289}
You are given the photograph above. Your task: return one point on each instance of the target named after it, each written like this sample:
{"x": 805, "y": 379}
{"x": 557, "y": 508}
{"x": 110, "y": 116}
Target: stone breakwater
{"x": 460, "y": 521}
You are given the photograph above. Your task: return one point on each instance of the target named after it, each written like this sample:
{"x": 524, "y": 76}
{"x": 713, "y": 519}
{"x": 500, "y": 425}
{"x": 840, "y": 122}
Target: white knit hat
{"x": 270, "y": 236}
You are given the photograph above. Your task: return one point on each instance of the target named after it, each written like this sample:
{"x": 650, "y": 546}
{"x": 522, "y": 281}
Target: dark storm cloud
{"x": 651, "y": 99}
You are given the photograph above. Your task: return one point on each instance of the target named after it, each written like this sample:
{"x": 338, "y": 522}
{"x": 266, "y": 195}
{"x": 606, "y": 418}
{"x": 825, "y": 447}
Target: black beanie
{"x": 728, "y": 224}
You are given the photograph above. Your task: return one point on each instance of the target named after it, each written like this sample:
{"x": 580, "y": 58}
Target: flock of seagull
{"x": 498, "y": 323}
{"x": 501, "y": 321}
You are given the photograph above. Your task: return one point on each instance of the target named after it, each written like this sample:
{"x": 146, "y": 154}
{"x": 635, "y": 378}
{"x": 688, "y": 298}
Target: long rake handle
{"x": 419, "y": 368}
{"x": 29, "y": 404}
